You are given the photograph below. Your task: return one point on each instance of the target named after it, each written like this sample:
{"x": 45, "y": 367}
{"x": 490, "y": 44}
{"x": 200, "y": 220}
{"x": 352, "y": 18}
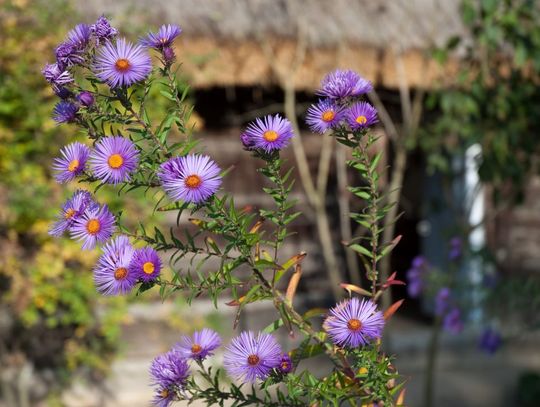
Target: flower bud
{"x": 85, "y": 98}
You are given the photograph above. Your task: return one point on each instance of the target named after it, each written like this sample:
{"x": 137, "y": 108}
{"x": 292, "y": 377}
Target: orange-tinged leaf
{"x": 354, "y": 288}
{"x": 401, "y": 398}
{"x": 256, "y": 226}
{"x": 293, "y": 283}
{"x": 235, "y": 303}
{"x": 392, "y": 309}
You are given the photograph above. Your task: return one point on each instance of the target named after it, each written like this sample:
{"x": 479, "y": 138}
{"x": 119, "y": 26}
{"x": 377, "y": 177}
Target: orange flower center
{"x": 270, "y": 135}
{"x": 122, "y": 65}
{"x": 361, "y": 120}
{"x": 285, "y": 365}
{"x": 120, "y": 273}
{"x": 193, "y": 181}
{"x": 164, "y": 393}
{"x": 70, "y": 213}
{"x": 354, "y": 324}
{"x": 253, "y": 360}
{"x": 328, "y": 116}
{"x": 115, "y": 161}
{"x": 196, "y": 348}
{"x": 93, "y": 226}
{"x": 148, "y": 267}
{"x": 73, "y": 165}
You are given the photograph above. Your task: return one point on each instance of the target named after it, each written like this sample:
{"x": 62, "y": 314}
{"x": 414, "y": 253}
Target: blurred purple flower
{"x": 456, "y": 248}
{"x": 415, "y": 276}
{"x": 452, "y": 321}
{"x": 442, "y": 301}
{"x": 490, "y": 340}
{"x": 163, "y": 38}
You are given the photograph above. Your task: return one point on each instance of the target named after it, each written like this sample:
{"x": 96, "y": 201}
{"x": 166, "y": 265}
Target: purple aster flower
{"x": 269, "y": 133}
{"x": 354, "y": 323}
{"x": 342, "y": 83}
{"x": 419, "y": 262}
{"x": 250, "y": 357}
{"x": 192, "y": 178}
{"x": 68, "y": 54}
{"x": 285, "y": 366}
{"x": 442, "y": 301}
{"x": 86, "y": 98}
{"x": 163, "y": 38}
{"x": 324, "y": 115}
{"x": 452, "y": 321}
{"x": 164, "y": 397}
{"x": 102, "y": 30}
{"x": 169, "y": 370}
{"x": 55, "y": 76}
{"x": 71, "y": 210}
{"x": 80, "y": 36}
{"x": 415, "y": 284}
{"x": 456, "y": 248}
{"x": 95, "y": 225}
{"x": 145, "y": 264}
{"x": 200, "y": 345}
{"x": 114, "y": 158}
{"x": 361, "y": 115}
{"x": 65, "y": 112}
{"x": 490, "y": 340}
{"x": 112, "y": 275}
{"x": 72, "y": 162}
{"x": 122, "y": 63}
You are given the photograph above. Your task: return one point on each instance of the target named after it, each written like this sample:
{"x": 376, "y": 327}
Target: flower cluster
{"x": 341, "y": 109}
{"x": 117, "y": 63}
{"x": 248, "y": 357}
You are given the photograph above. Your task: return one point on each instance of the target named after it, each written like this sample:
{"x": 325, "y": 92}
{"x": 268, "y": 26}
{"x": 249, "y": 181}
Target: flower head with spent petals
{"x": 353, "y": 323}
{"x": 191, "y": 178}
{"x": 114, "y": 158}
{"x": 95, "y": 225}
{"x": 72, "y": 162}
{"x": 250, "y": 357}
{"x": 72, "y": 209}
{"x": 340, "y": 84}
{"x": 323, "y": 116}
{"x": 270, "y": 133}
{"x": 102, "y": 30}
{"x": 56, "y": 77}
{"x": 112, "y": 275}
{"x": 169, "y": 370}
{"x": 121, "y": 64}
{"x": 200, "y": 345}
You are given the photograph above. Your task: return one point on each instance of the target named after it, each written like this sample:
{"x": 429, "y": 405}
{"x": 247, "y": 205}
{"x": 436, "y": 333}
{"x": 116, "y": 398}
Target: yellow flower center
{"x": 93, "y": 226}
{"x": 196, "y": 348}
{"x": 115, "y": 161}
{"x": 354, "y": 324}
{"x": 122, "y": 65}
{"x": 120, "y": 273}
{"x": 193, "y": 181}
{"x": 148, "y": 267}
{"x": 70, "y": 213}
{"x": 328, "y": 116}
{"x": 285, "y": 365}
{"x": 361, "y": 120}
{"x": 253, "y": 360}
{"x": 270, "y": 135}
{"x": 73, "y": 165}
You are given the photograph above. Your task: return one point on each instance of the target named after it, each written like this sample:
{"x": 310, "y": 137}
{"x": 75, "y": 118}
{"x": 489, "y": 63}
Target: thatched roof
{"x": 222, "y": 39}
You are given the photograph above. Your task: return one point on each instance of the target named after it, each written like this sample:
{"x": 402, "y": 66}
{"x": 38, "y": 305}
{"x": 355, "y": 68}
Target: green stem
{"x": 433, "y": 349}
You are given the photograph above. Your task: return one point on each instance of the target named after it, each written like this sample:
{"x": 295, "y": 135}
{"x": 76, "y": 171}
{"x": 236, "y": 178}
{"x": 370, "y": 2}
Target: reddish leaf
{"x": 392, "y": 309}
